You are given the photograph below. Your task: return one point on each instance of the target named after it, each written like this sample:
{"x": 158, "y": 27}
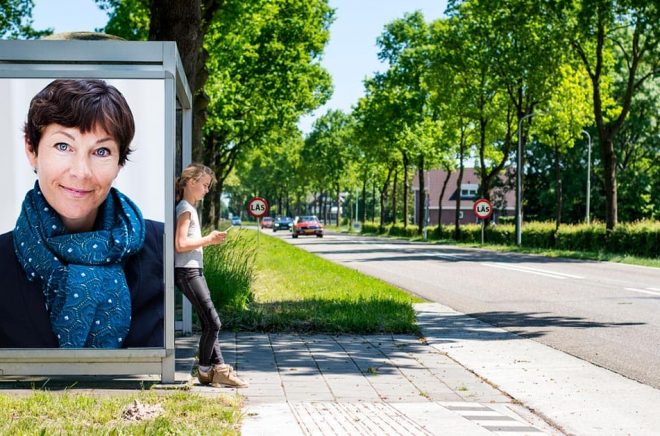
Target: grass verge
{"x": 296, "y": 291}
{"x": 68, "y": 413}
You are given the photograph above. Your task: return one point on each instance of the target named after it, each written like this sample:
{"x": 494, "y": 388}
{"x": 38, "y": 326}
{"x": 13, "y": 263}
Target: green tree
{"x": 406, "y": 45}
{"x": 129, "y": 19}
{"x": 524, "y": 47}
{"x": 16, "y": 20}
{"x": 265, "y": 72}
{"x": 567, "y": 112}
{"x": 597, "y": 29}
{"x": 327, "y": 152}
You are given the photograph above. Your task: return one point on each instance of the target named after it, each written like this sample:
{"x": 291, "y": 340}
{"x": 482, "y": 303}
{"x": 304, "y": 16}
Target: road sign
{"x": 483, "y": 209}
{"x": 257, "y": 207}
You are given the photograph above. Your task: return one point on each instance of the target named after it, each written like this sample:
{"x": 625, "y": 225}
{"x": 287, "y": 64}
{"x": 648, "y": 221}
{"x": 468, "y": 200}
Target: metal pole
{"x": 588, "y": 218}
{"x": 426, "y": 213}
{"x": 519, "y": 171}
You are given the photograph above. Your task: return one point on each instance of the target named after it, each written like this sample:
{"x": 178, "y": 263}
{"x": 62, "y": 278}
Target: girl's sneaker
{"x": 205, "y": 377}
{"x": 224, "y": 375}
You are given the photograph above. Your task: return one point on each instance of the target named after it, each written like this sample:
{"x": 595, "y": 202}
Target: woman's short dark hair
{"x": 83, "y": 104}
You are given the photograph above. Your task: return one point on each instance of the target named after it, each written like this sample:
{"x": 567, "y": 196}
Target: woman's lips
{"x": 77, "y": 193}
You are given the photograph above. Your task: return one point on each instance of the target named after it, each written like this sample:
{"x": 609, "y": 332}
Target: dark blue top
{"x": 24, "y": 321}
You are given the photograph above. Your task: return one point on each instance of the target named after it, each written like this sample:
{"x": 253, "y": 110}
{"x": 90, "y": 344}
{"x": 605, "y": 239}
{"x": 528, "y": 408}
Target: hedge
{"x": 636, "y": 239}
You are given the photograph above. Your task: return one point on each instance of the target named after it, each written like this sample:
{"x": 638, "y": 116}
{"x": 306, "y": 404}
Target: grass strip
{"x": 44, "y": 412}
{"x": 297, "y": 291}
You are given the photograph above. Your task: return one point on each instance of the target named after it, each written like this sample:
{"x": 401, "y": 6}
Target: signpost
{"x": 482, "y": 210}
{"x": 258, "y": 208}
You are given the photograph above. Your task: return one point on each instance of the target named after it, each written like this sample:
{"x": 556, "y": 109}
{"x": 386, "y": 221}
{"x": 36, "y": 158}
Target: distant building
{"x": 503, "y": 199}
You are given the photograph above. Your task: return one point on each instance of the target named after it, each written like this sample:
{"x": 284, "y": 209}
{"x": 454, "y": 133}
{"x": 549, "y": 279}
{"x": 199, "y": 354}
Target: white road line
{"x": 529, "y": 270}
{"x": 654, "y": 289}
{"x": 643, "y": 291}
{"x": 570, "y": 276}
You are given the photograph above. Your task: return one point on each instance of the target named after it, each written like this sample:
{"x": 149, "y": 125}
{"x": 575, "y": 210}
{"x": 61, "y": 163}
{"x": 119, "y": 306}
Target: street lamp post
{"x": 588, "y": 219}
{"x": 519, "y": 171}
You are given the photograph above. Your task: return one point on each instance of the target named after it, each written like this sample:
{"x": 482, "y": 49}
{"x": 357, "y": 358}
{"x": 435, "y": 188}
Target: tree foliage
{"x": 16, "y": 20}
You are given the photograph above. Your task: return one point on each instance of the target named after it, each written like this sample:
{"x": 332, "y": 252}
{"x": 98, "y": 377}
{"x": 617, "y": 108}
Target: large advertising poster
{"x": 85, "y": 288}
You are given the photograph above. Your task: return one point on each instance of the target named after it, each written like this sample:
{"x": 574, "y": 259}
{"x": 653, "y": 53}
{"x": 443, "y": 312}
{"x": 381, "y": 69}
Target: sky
{"x": 350, "y": 56}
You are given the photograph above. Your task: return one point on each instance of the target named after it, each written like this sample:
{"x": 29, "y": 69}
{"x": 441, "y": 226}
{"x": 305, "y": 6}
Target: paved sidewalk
{"x": 365, "y": 385}
{"x": 577, "y": 396}
{"x": 461, "y": 380}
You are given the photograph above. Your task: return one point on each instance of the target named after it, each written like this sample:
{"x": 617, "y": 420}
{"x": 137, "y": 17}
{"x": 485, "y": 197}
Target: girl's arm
{"x": 181, "y": 241}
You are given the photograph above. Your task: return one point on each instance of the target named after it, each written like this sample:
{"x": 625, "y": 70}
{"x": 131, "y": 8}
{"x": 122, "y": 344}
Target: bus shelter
{"x": 150, "y": 75}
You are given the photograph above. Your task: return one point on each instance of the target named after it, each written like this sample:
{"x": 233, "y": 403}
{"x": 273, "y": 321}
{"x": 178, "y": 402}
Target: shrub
{"x": 399, "y": 230}
{"x": 539, "y": 234}
{"x": 636, "y": 239}
{"x": 641, "y": 239}
{"x": 503, "y": 234}
{"x": 373, "y": 229}
{"x": 583, "y": 237}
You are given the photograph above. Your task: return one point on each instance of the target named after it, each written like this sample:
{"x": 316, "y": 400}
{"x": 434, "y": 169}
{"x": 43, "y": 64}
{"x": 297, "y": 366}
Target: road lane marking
{"x": 643, "y": 291}
{"x": 538, "y": 271}
{"x": 654, "y": 289}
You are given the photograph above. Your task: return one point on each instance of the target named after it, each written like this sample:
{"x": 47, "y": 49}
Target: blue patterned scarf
{"x": 81, "y": 273}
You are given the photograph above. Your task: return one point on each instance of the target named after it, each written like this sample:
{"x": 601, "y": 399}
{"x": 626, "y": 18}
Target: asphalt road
{"x": 605, "y": 313}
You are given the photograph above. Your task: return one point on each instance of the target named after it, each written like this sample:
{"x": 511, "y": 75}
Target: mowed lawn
{"x": 143, "y": 413}
{"x": 296, "y": 291}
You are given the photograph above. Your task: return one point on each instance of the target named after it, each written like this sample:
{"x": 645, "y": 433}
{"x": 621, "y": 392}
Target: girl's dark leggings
{"x": 192, "y": 283}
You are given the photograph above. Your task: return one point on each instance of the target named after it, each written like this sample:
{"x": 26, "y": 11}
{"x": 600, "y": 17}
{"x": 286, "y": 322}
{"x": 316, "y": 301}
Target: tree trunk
{"x": 383, "y": 198}
{"x": 459, "y": 181}
{"x": 338, "y": 204}
{"x": 363, "y": 209}
{"x": 373, "y": 203}
{"x": 405, "y": 190}
{"x": 421, "y": 204}
{"x": 558, "y": 193}
{"x": 396, "y": 179}
{"x": 611, "y": 200}
{"x": 442, "y": 195}
{"x": 186, "y": 22}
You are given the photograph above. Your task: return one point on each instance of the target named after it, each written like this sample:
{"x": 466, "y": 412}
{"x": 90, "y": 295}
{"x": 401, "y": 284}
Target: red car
{"x": 307, "y": 225}
{"x": 267, "y": 222}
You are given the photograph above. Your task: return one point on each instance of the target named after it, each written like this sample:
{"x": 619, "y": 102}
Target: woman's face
{"x": 75, "y": 172}
{"x": 199, "y": 188}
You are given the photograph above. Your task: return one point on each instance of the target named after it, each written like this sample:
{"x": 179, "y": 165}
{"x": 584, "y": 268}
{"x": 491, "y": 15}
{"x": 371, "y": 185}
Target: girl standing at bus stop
{"x": 191, "y": 187}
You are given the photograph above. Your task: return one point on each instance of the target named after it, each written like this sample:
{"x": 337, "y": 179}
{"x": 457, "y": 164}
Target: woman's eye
{"x": 102, "y": 152}
{"x": 61, "y": 146}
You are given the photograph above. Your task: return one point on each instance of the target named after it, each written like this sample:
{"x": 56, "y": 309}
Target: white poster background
{"x": 143, "y": 175}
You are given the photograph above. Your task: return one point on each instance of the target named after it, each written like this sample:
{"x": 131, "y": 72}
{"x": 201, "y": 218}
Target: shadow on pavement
{"x": 510, "y": 320}
{"x": 448, "y": 328}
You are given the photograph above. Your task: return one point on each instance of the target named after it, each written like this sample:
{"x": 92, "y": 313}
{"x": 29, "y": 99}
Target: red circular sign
{"x": 483, "y": 209}
{"x": 257, "y": 207}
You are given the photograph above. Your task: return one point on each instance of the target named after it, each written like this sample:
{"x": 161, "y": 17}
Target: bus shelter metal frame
{"x": 110, "y": 59}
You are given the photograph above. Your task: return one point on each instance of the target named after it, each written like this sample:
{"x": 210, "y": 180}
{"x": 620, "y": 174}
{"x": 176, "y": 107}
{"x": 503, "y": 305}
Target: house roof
{"x": 504, "y": 198}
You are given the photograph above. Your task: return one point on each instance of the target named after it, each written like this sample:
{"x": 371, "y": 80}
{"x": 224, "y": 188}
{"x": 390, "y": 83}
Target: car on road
{"x": 267, "y": 222}
{"x": 307, "y": 225}
{"x": 282, "y": 223}
{"x": 236, "y": 220}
